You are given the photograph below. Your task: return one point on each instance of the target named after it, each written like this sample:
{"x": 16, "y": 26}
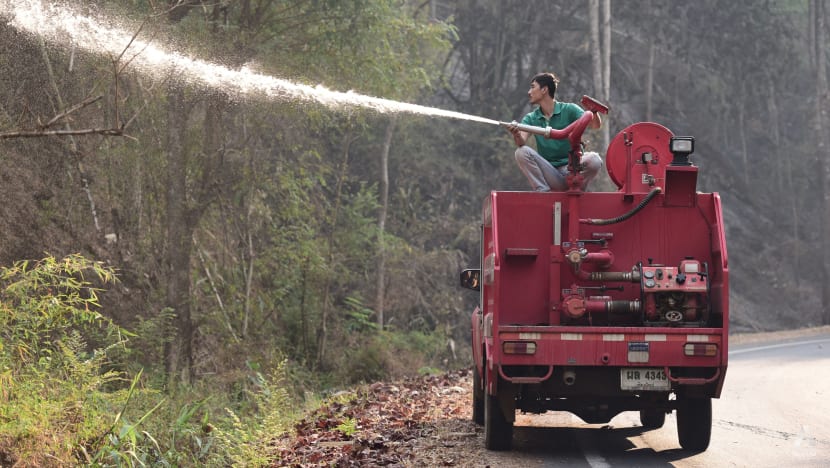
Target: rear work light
{"x": 700, "y": 349}
{"x": 519, "y": 347}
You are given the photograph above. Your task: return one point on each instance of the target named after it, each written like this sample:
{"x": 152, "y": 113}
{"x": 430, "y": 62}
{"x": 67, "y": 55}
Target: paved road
{"x": 774, "y": 411}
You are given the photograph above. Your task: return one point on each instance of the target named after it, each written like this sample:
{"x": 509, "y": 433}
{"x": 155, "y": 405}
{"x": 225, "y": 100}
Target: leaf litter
{"x": 420, "y": 421}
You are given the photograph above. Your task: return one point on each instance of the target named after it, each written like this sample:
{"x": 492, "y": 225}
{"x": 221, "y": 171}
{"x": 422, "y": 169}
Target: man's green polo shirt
{"x": 555, "y": 151}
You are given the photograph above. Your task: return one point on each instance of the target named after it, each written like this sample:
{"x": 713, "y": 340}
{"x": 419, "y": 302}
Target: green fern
{"x": 249, "y": 442}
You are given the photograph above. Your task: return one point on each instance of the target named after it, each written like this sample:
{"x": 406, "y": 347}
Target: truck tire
{"x": 694, "y": 423}
{"x": 652, "y": 419}
{"x": 498, "y": 431}
{"x": 478, "y": 398}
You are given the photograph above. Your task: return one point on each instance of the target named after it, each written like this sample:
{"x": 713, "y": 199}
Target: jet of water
{"x": 64, "y": 27}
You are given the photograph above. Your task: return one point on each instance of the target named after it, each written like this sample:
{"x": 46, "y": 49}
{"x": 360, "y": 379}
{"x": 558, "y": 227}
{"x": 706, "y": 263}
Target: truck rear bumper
{"x": 688, "y": 356}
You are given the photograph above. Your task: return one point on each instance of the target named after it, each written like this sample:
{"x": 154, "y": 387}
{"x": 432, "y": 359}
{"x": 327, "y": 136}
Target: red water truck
{"x": 602, "y": 302}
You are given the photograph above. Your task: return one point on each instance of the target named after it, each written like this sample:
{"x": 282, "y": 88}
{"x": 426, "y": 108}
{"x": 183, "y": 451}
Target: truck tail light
{"x": 700, "y": 349}
{"x": 519, "y": 347}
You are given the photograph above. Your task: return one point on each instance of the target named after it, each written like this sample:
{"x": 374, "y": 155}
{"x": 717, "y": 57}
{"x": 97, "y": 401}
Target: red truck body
{"x": 602, "y": 302}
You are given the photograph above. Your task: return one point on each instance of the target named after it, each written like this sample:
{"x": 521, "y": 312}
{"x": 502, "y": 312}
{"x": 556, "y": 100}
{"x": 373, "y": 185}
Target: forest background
{"x": 199, "y": 261}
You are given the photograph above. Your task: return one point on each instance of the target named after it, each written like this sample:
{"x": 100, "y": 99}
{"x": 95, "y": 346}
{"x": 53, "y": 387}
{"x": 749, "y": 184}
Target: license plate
{"x": 644, "y": 379}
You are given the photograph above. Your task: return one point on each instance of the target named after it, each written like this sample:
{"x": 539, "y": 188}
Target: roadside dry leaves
{"x": 419, "y": 421}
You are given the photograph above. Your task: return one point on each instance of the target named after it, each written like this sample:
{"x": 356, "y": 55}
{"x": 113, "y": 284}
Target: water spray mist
{"x": 62, "y": 26}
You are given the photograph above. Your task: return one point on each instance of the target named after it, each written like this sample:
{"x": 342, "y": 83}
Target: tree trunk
{"x": 322, "y": 328}
{"x": 179, "y": 355}
{"x": 742, "y": 141}
{"x": 303, "y": 310}
{"x": 650, "y": 81}
{"x": 812, "y": 46}
{"x": 606, "y": 67}
{"x": 384, "y": 207}
{"x": 785, "y": 179}
{"x": 596, "y": 48}
{"x": 600, "y": 45}
{"x": 249, "y": 276}
{"x": 822, "y": 151}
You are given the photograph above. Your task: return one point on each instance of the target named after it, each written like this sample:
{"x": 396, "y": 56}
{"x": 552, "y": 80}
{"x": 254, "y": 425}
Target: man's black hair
{"x": 547, "y": 79}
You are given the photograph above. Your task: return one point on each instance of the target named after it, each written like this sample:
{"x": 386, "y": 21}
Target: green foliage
{"x": 248, "y": 442}
{"x": 377, "y": 47}
{"x": 358, "y": 316}
{"x": 367, "y": 361}
{"x": 56, "y": 405}
{"x": 348, "y": 427}
{"x": 62, "y": 400}
{"x": 375, "y": 356}
{"x": 50, "y": 298}
{"x": 57, "y": 391}
{"x": 152, "y": 334}
{"x": 122, "y": 444}
{"x": 430, "y": 371}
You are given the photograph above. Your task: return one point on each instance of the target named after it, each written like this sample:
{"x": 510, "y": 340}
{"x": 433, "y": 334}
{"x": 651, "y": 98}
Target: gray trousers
{"x": 543, "y": 177}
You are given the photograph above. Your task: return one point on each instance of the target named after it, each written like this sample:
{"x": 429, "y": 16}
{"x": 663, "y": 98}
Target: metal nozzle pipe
{"x": 544, "y": 131}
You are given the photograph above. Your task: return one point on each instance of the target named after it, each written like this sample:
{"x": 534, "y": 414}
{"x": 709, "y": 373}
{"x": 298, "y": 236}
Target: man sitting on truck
{"x": 546, "y": 167}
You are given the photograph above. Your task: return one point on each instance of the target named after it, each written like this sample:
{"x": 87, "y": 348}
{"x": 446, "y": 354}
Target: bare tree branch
{"x": 44, "y": 133}
{"x": 76, "y": 107}
{"x": 42, "y": 129}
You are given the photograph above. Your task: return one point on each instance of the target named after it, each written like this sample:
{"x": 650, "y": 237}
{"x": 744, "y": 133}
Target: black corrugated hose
{"x": 625, "y": 216}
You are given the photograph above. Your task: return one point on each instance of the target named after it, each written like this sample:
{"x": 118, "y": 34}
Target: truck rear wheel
{"x": 694, "y": 423}
{"x": 498, "y": 431}
{"x": 478, "y": 397}
{"x": 652, "y": 419}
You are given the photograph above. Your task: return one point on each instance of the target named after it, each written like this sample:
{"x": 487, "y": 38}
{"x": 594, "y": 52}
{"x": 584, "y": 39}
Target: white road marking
{"x": 592, "y": 456}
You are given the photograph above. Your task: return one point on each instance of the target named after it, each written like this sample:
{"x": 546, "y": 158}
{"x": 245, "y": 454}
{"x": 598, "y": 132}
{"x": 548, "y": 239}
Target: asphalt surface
{"x": 774, "y": 411}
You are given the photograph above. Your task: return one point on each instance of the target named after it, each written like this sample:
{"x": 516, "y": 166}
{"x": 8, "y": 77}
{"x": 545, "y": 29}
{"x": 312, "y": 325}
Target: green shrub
{"x": 373, "y": 356}
{"x": 62, "y": 402}
{"x": 42, "y": 302}
{"x": 248, "y": 441}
